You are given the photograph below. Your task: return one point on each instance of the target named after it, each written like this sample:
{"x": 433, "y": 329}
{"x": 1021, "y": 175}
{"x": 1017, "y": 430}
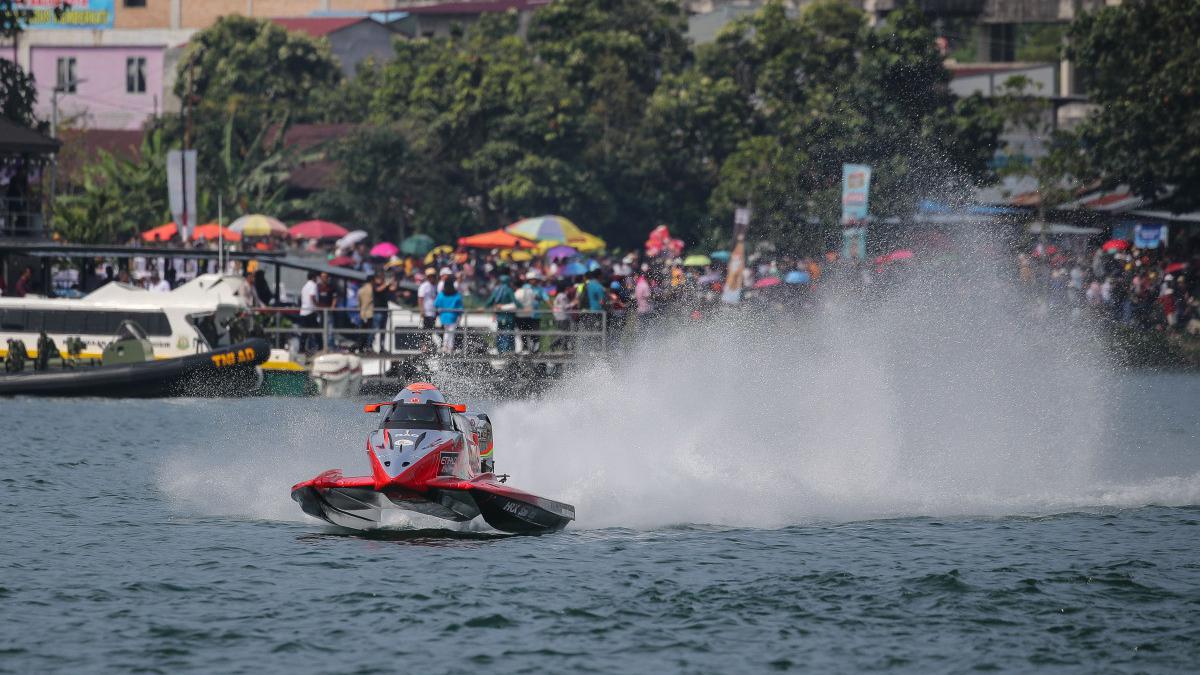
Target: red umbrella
{"x": 766, "y": 281}
{"x": 214, "y": 232}
{"x": 161, "y": 233}
{"x": 342, "y": 261}
{"x": 317, "y": 229}
{"x": 1175, "y": 267}
{"x": 1115, "y": 245}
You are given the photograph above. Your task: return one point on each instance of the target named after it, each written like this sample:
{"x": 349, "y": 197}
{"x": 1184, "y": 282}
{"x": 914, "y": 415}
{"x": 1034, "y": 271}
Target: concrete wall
{"x": 101, "y": 99}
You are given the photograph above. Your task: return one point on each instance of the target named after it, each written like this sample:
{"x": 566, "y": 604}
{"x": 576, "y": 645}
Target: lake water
{"x": 158, "y": 536}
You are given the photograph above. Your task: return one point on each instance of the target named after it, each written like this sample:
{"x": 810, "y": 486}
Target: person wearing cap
{"x": 505, "y": 301}
{"x": 529, "y": 297}
{"x": 426, "y": 297}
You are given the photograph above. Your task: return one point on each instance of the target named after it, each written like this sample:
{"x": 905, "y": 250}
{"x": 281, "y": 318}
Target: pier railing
{"x": 398, "y": 333}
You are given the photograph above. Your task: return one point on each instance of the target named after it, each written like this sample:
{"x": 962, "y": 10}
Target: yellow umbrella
{"x": 436, "y": 251}
{"x": 258, "y": 225}
{"x": 515, "y": 255}
{"x": 587, "y": 243}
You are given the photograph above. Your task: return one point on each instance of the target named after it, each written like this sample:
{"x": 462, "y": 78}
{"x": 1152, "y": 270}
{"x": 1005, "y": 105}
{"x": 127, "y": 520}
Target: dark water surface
{"x": 102, "y": 569}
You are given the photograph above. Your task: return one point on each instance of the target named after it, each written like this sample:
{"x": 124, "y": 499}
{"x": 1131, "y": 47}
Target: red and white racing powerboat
{"x": 434, "y": 458}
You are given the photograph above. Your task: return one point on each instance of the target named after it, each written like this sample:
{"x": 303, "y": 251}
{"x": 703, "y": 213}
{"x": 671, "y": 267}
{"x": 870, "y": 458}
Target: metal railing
{"x": 400, "y": 333}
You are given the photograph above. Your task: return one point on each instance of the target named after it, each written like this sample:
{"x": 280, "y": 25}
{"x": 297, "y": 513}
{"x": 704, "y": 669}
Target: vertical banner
{"x": 181, "y": 183}
{"x": 856, "y": 183}
{"x": 737, "y": 258}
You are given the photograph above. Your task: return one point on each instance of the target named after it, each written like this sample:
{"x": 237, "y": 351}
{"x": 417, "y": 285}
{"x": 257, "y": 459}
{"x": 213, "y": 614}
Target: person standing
{"x": 504, "y": 300}
{"x": 641, "y": 295}
{"x": 384, "y": 290}
{"x": 526, "y": 306}
{"x": 24, "y": 283}
{"x": 426, "y": 296}
{"x": 309, "y": 342}
{"x": 366, "y": 312}
{"x": 450, "y": 303}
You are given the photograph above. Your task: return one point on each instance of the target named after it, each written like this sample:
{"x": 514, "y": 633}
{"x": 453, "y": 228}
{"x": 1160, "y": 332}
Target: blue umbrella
{"x": 723, "y": 256}
{"x": 574, "y": 269}
{"x": 797, "y": 277}
{"x": 592, "y": 265}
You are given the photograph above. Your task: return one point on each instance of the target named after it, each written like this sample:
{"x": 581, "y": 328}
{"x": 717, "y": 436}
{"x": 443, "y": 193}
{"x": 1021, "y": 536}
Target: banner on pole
{"x": 732, "y": 294}
{"x": 854, "y": 243}
{"x": 181, "y": 187}
{"x": 856, "y": 183}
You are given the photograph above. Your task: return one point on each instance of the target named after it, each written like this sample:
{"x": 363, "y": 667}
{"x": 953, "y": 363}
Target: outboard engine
{"x": 482, "y": 427}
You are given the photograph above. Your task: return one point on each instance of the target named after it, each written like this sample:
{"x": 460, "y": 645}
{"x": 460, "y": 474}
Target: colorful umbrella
{"x": 417, "y": 244}
{"x": 766, "y": 281}
{"x": 495, "y": 239}
{"x": 342, "y": 261}
{"x": 384, "y": 249}
{"x": 317, "y": 229}
{"x": 436, "y": 251}
{"x": 562, "y": 252}
{"x": 161, "y": 233}
{"x": 723, "y": 256}
{"x": 351, "y": 239}
{"x": 258, "y": 225}
{"x": 212, "y": 232}
{"x": 1115, "y": 245}
{"x": 797, "y": 277}
{"x": 697, "y": 260}
{"x": 546, "y": 228}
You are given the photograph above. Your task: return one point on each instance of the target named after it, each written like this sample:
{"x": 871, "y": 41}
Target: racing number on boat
{"x": 233, "y": 358}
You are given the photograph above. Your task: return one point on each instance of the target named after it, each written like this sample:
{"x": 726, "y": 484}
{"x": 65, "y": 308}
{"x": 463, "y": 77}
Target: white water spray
{"x": 941, "y": 399}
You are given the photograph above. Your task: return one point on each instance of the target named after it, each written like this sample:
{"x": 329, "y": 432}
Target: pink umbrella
{"x": 766, "y": 281}
{"x": 317, "y": 229}
{"x": 902, "y": 254}
{"x": 384, "y": 250}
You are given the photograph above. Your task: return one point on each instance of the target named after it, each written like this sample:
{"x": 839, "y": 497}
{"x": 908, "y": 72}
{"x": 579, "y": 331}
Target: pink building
{"x": 111, "y": 87}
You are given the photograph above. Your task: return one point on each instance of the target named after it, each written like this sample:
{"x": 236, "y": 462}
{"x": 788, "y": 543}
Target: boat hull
{"x": 228, "y": 371}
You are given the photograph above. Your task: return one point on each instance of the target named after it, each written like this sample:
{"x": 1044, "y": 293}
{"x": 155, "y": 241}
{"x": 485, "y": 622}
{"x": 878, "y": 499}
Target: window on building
{"x": 135, "y": 3}
{"x": 66, "y": 74}
{"x": 135, "y": 75}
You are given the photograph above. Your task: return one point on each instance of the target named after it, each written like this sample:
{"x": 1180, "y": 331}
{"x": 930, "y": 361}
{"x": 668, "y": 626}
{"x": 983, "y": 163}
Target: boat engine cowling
{"x": 482, "y": 426}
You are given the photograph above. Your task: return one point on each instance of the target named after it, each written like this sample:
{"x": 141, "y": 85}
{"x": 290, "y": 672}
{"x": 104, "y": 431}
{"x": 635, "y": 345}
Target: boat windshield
{"x": 423, "y": 416}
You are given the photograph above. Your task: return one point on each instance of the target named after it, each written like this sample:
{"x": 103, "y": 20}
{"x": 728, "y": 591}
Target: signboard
{"x": 1149, "y": 236}
{"x": 737, "y": 259}
{"x": 856, "y": 182}
{"x": 41, "y": 14}
{"x": 181, "y": 181}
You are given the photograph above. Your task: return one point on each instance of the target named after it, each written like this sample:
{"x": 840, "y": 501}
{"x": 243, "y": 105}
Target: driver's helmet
{"x": 419, "y": 393}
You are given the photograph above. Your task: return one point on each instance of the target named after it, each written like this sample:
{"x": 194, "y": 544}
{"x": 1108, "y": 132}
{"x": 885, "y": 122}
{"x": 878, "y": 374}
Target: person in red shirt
{"x": 24, "y": 283}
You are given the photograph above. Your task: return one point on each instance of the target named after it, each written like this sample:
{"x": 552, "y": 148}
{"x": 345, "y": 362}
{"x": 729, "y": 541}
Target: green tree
{"x": 826, "y": 90}
{"x": 1141, "y": 59}
{"x": 119, "y": 196}
{"x": 18, "y": 94}
{"x": 389, "y": 182}
{"x": 255, "y": 63}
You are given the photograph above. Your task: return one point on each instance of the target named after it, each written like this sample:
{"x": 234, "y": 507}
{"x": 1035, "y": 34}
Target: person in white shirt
{"x": 308, "y": 315}
{"x": 158, "y": 285}
{"x": 426, "y": 295}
